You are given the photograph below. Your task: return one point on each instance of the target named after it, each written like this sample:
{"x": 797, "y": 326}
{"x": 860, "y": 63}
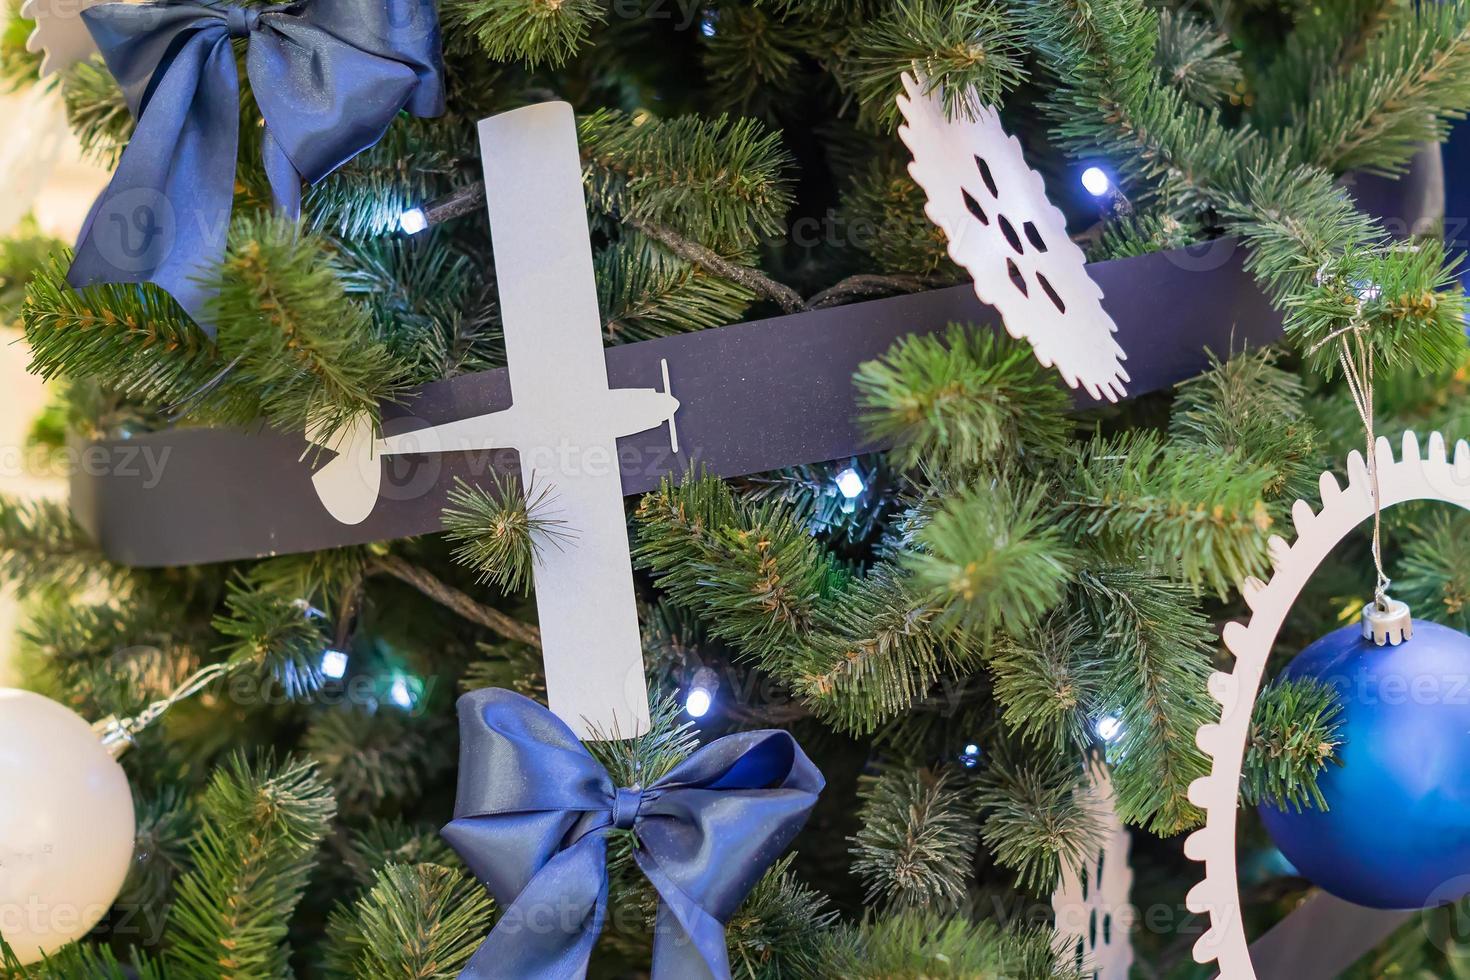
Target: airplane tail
{"x": 348, "y": 484}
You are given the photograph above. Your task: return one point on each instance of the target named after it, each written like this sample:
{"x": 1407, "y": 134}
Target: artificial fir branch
{"x": 1049, "y": 681}
{"x": 1181, "y": 512}
{"x": 721, "y": 182}
{"x": 968, "y": 397}
{"x": 500, "y": 531}
{"x": 916, "y": 845}
{"x": 41, "y": 544}
{"x": 884, "y": 211}
{"x": 646, "y": 291}
{"x": 254, "y": 850}
{"x": 1037, "y": 818}
{"x": 537, "y": 32}
{"x": 97, "y": 110}
{"x": 1158, "y": 666}
{"x": 992, "y": 557}
{"x": 275, "y": 635}
{"x": 422, "y": 921}
{"x": 1249, "y": 409}
{"x": 22, "y": 256}
{"x": 930, "y": 946}
{"x": 779, "y": 929}
{"x": 1411, "y": 78}
{"x": 1295, "y": 730}
{"x": 374, "y": 754}
{"x": 1433, "y": 576}
{"x": 1197, "y": 58}
{"x": 281, "y": 310}
{"x": 384, "y": 841}
{"x": 969, "y": 50}
{"x": 18, "y": 66}
{"x": 133, "y": 338}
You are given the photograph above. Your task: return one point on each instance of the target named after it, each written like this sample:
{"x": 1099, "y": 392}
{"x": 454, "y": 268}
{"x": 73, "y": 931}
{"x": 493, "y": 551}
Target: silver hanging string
{"x": 1359, "y": 376}
{"x": 117, "y": 734}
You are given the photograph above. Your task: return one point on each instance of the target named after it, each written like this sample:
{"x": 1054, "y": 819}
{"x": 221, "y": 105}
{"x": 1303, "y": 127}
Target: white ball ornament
{"x": 66, "y": 825}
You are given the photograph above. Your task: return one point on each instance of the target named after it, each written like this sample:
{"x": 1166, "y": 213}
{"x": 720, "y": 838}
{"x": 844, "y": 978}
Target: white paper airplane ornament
{"x": 564, "y": 421}
{"x": 1005, "y": 232}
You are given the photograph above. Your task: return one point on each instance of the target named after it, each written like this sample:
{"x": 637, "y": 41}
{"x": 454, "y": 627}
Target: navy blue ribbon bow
{"x": 328, "y": 76}
{"x": 532, "y": 818}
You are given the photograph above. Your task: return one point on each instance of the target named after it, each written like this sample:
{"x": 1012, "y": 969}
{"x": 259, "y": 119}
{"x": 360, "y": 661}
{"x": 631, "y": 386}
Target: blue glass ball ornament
{"x": 1397, "y": 834}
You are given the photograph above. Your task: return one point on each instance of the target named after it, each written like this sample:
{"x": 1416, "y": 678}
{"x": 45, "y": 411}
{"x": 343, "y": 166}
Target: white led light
{"x": 334, "y": 664}
{"x": 698, "y": 703}
{"x": 1109, "y": 728}
{"x": 1096, "y": 181}
{"x": 400, "y": 694}
{"x": 413, "y": 221}
{"x": 850, "y": 483}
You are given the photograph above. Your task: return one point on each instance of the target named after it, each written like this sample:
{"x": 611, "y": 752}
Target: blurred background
{"x": 42, "y": 175}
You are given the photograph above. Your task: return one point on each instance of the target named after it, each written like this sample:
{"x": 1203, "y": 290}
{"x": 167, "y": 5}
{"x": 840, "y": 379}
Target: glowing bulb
{"x": 850, "y": 483}
{"x": 701, "y": 696}
{"x": 334, "y": 664}
{"x": 970, "y": 756}
{"x": 1109, "y": 728}
{"x": 400, "y": 693}
{"x": 413, "y": 221}
{"x": 707, "y": 23}
{"x": 698, "y": 703}
{"x": 1096, "y": 181}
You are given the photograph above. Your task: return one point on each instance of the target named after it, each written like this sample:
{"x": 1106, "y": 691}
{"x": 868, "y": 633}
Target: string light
{"x": 400, "y": 693}
{"x": 334, "y": 664}
{"x": 970, "y": 756}
{"x": 413, "y": 221}
{"x": 850, "y": 483}
{"x": 701, "y": 696}
{"x": 1109, "y": 728}
{"x": 1096, "y": 181}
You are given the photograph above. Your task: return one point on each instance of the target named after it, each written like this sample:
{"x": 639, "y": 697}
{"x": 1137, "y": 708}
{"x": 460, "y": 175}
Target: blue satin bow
{"x": 532, "y": 818}
{"x": 328, "y": 75}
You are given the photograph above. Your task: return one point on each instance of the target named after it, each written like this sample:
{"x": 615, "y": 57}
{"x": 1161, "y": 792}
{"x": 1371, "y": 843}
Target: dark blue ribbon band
{"x": 532, "y": 818}
{"x": 329, "y": 76}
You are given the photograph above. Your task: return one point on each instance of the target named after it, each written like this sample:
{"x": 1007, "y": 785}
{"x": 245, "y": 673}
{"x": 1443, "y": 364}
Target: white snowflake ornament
{"x": 1094, "y": 919}
{"x": 1012, "y": 240}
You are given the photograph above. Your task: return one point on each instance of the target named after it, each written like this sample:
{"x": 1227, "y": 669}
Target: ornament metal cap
{"x": 1389, "y": 626}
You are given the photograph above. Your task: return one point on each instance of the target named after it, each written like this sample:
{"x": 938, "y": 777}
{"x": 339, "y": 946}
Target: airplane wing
{"x": 543, "y": 253}
{"x": 593, "y": 647}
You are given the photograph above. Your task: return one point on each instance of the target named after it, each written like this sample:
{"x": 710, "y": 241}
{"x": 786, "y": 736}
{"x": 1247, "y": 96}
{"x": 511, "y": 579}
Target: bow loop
{"x": 533, "y": 816}
{"x": 329, "y": 77}
{"x": 626, "y": 804}
{"x": 241, "y": 20}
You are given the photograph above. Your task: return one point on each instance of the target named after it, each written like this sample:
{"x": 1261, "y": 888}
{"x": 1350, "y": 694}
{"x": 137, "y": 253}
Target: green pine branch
{"x": 969, "y": 398}
{"x": 1200, "y": 516}
{"x": 261, "y": 825}
{"x": 1037, "y": 819}
{"x": 916, "y": 846}
{"x": 929, "y": 946}
{"x": 1295, "y": 733}
{"x": 779, "y": 929}
{"x": 992, "y": 557}
{"x": 721, "y": 182}
{"x": 536, "y": 32}
{"x": 1158, "y": 663}
{"x": 970, "y": 49}
{"x": 499, "y": 532}
{"x": 421, "y": 921}
{"x": 283, "y": 315}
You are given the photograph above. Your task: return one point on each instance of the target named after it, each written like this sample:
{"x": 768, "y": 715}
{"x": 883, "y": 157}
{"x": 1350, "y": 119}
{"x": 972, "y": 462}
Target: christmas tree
{"x": 953, "y": 627}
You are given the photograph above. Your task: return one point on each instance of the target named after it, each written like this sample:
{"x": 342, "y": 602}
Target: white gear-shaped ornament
{"x": 1005, "y": 232}
{"x": 1411, "y": 477}
{"x": 1090, "y": 907}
